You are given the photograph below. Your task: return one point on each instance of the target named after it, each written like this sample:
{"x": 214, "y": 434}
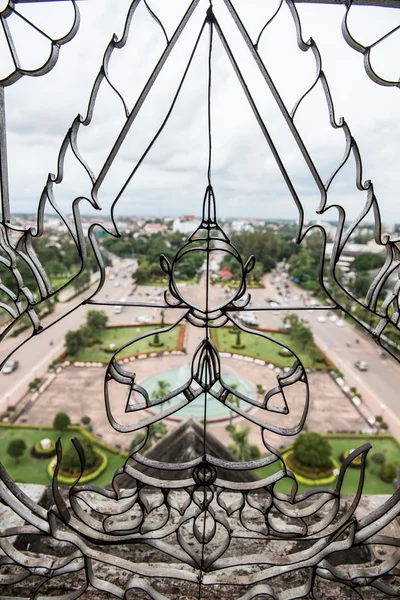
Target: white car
{"x": 340, "y": 323}
{"x": 117, "y": 284}
{"x": 117, "y": 310}
{"x": 10, "y": 366}
{"x": 322, "y": 319}
{"x": 333, "y": 318}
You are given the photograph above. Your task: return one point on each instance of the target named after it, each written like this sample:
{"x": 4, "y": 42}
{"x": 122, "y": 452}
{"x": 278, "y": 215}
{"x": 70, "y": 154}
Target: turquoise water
{"x": 215, "y": 409}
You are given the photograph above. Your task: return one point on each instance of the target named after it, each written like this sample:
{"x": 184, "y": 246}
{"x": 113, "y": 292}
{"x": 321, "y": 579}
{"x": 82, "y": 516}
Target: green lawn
{"x": 256, "y": 346}
{"x": 372, "y": 484}
{"x": 120, "y": 336}
{"x": 34, "y": 470}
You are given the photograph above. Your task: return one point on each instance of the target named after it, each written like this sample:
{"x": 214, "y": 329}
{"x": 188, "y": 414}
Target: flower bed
{"x": 310, "y": 475}
{"x": 70, "y": 478}
{"x": 356, "y": 463}
{"x": 38, "y": 452}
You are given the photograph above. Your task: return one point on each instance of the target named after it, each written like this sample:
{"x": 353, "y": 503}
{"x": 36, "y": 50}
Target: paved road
{"x": 37, "y": 353}
{"x": 379, "y": 386}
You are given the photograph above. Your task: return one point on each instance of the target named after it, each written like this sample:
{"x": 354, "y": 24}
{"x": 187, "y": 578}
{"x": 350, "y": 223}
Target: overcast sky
{"x": 173, "y": 176}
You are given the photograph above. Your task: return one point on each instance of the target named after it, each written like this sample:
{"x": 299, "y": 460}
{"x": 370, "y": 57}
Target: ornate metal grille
{"x": 210, "y": 533}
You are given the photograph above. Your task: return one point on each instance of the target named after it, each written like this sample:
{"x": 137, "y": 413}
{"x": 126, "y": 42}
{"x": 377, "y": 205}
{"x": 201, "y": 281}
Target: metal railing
{"x": 204, "y": 522}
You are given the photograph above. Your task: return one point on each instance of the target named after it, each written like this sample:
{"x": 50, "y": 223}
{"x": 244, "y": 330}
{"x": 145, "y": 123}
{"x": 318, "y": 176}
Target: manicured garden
{"x": 225, "y": 339}
{"x": 385, "y": 446}
{"x": 28, "y": 469}
{"x": 101, "y": 350}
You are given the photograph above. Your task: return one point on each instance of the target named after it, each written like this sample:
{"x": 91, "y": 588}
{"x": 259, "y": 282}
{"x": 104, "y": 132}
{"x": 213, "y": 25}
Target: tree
{"x": 70, "y": 461}
{"x": 361, "y": 285}
{"x": 82, "y": 281}
{"x": 241, "y": 447}
{"x": 257, "y": 272}
{"x": 388, "y": 471}
{"x": 61, "y": 421}
{"x": 162, "y": 389}
{"x": 96, "y": 320}
{"x": 75, "y": 340}
{"x": 85, "y": 420}
{"x": 367, "y": 261}
{"x": 156, "y": 432}
{"x": 301, "y": 334}
{"x": 312, "y": 450}
{"x": 16, "y": 448}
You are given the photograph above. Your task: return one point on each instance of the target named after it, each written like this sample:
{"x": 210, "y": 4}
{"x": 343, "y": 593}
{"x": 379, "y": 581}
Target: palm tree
{"x": 241, "y": 447}
{"x": 156, "y": 432}
{"x": 162, "y": 389}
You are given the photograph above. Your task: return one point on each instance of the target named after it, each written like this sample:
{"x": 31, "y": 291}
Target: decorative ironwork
{"x": 367, "y": 51}
{"x": 218, "y": 533}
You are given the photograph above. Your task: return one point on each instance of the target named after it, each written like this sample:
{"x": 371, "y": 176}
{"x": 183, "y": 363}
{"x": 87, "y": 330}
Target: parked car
{"x": 322, "y": 319}
{"x": 362, "y": 365}
{"x": 10, "y": 366}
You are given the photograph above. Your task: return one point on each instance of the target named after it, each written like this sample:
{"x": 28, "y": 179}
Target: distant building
{"x": 242, "y": 225}
{"x": 225, "y": 273}
{"x": 153, "y": 228}
{"x": 351, "y": 251}
{"x": 186, "y": 225}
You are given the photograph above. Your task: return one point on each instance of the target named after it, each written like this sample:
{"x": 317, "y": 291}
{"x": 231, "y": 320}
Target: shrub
{"x": 70, "y": 462}
{"x": 260, "y": 389}
{"x": 312, "y": 450}
{"x": 10, "y": 408}
{"x": 61, "y": 421}
{"x": 16, "y": 448}
{"x": 34, "y": 383}
{"x": 85, "y": 420}
{"x": 388, "y": 472}
{"x": 378, "y": 458}
{"x": 64, "y": 479}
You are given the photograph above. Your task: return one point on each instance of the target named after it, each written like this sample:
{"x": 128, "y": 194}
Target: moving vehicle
{"x": 322, "y": 319}
{"x": 10, "y": 366}
{"x": 362, "y": 365}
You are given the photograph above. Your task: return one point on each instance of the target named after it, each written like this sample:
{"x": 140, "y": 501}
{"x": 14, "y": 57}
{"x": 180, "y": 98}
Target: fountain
{"x": 215, "y": 409}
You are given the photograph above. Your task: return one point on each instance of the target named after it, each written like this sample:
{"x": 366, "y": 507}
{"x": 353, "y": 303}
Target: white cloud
{"x": 173, "y": 175}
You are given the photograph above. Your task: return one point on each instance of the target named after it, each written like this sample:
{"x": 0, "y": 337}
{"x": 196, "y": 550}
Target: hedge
{"x": 76, "y": 428}
{"x": 85, "y": 478}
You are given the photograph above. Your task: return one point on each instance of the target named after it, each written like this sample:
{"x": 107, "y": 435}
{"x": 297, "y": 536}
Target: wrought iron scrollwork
{"x": 206, "y": 532}
{"x": 367, "y": 51}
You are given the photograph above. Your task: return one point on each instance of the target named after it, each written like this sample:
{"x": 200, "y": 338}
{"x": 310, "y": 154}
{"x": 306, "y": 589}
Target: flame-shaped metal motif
{"x": 206, "y": 535}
